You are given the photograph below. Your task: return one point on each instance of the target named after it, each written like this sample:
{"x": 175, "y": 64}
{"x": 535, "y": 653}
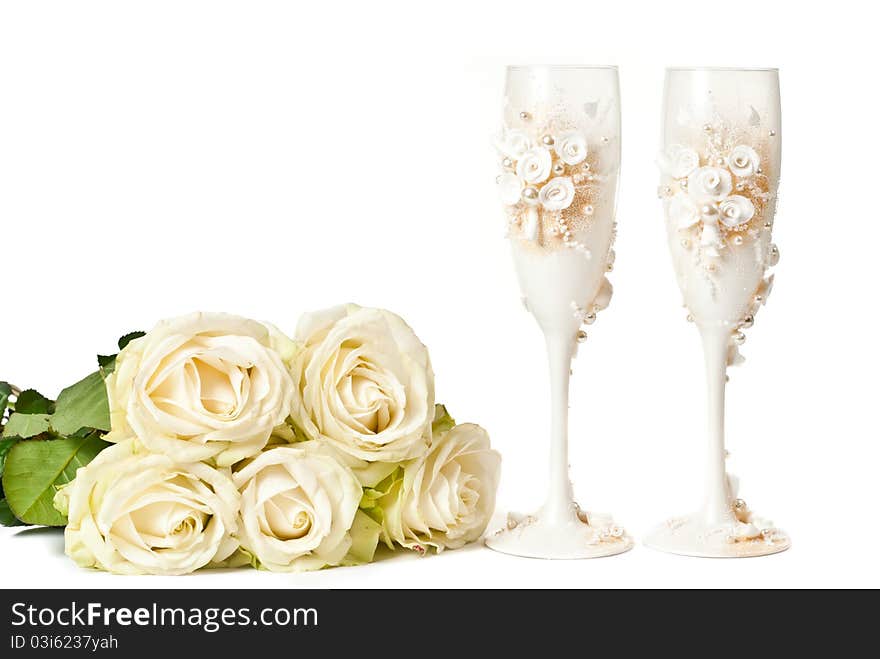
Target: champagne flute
{"x": 559, "y": 155}
{"x": 720, "y": 171}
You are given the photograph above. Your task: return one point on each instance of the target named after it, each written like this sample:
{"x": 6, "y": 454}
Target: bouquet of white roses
{"x": 214, "y": 440}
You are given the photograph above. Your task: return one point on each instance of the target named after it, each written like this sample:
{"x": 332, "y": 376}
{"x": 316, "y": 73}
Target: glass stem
{"x": 560, "y": 350}
{"x": 718, "y": 507}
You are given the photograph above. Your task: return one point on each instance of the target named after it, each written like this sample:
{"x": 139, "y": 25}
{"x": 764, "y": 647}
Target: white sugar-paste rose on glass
{"x": 534, "y": 165}
{"x": 736, "y": 210}
{"x": 206, "y": 386}
{"x": 743, "y": 161}
{"x": 133, "y": 512}
{"x": 509, "y": 189}
{"x": 571, "y": 147}
{"x": 709, "y": 184}
{"x": 682, "y": 211}
{"x": 297, "y": 508}
{"x": 557, "y": 194}
{"x": 679, "y": 161}
{"x": 513, "y": 144}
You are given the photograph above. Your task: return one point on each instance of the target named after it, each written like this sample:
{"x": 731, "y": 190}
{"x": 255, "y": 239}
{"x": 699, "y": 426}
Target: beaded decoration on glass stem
{"x": 720, "y": 171}
{"x": 559, "y": 156}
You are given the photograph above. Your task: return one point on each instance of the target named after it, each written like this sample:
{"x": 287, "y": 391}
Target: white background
{"x": 270, "y": 158}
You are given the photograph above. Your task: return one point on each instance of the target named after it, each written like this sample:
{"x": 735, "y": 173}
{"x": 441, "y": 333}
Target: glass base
{"x": 583, "y": 535}
{"x": 692, "y": 536}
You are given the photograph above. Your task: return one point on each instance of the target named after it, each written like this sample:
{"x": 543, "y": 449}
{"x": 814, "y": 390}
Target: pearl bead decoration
{"x": 530, "y": 193}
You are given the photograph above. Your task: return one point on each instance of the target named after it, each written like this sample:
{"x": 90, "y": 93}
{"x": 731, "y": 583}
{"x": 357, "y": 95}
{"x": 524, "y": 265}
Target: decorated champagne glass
{"x": 720, "y": 171}
{"x": 559, "y": 159}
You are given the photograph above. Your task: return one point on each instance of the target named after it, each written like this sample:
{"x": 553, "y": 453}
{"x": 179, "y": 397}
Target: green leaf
{"x": 443, "y": 421}
{"x": 5, "y": 445}
{"x": 364, "y": 539}
{"x": 33, "y": 402}
{"x": 83, "y": 405}
{"x": 5, "y": 393}
{"x": 6, "y": 516}
{"x": 35, "y": 469}
{"x": 106, "y": 364}
{"x": 128, "y": 338}
{"x": 25, "y": 426}
{"x": 370, "y": 500}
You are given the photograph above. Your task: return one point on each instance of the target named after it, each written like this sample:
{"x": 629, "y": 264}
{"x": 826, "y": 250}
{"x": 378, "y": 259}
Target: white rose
{"x": 557, "y": 194}
{"x": 682, "y": 211}
{"x": 363, "y": 383}
{"x": 743, "y": 161}
{"x": 134, "y": 512}
{"x": 679, "y": 161}
{"x": 534, "y": 165}
{"x": 736, "y": 210}
{"x": 297, "y": 506}
{"x": 513, "y": 144}
{"x": 571, "y": 147}
{"x": 709, "y": 184}
{"x": 445, "y": 499}
{"x": 509, "y": 189}
{"x": 202, "y": 386}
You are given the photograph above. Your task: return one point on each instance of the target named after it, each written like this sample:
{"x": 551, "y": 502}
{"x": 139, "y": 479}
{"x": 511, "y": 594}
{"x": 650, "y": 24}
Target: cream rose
{"x": 363, "y": 383}
{"x": 557, "y": 194}
{"x": 297, "y": 507}
{"x": 709, "y": 184}
{"x": 202, "y": 386}
{"x": 534, "y": 165}
{"x": 743, "y": 161}
{"x": 445, "y": 499}
{"x": 134, "y": 512}
{"x": 571, "y": 147}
